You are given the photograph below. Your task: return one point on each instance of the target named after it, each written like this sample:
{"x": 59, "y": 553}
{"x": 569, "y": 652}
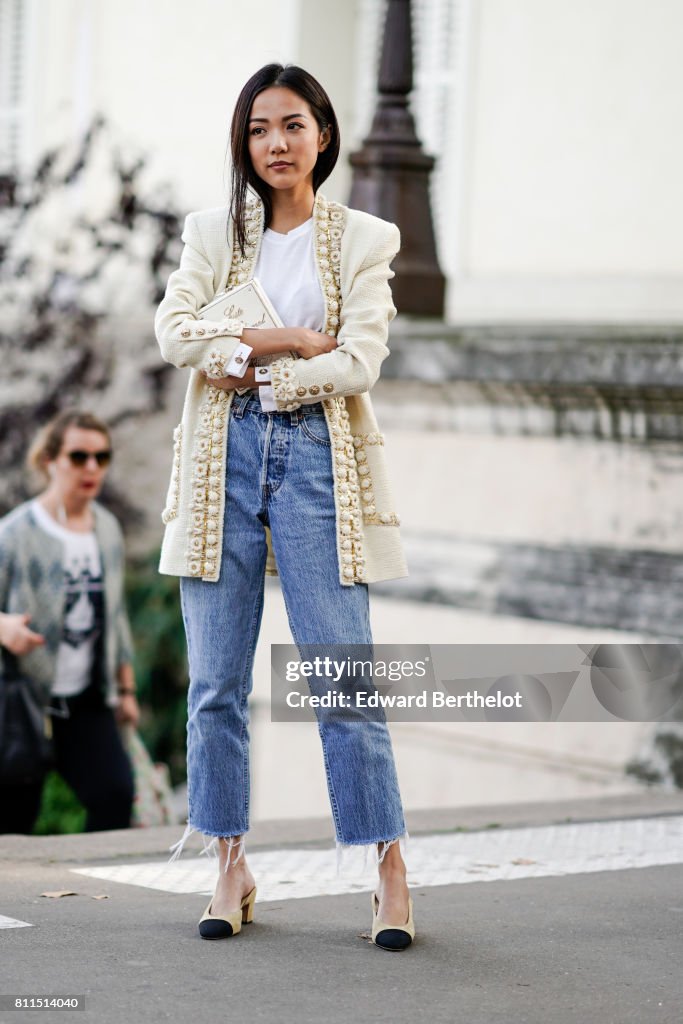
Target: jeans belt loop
{"x": 239, "y": 403}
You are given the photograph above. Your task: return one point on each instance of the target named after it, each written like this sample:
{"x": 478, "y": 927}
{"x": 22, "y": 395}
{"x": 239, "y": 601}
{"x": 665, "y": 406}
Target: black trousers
{"x": 90, "y": 757}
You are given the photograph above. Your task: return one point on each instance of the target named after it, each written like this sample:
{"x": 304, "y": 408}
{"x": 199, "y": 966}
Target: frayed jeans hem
{"x": 342, "y": 848}
{"x": 212, "y": 846}
{"x": 371, "y": 844}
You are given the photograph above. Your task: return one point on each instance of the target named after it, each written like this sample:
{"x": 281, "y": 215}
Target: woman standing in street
{"x": 280, "y": 469}
{"x": 62, "y": 617}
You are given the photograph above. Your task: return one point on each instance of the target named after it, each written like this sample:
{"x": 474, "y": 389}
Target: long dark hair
{"x": 243, "y": 173}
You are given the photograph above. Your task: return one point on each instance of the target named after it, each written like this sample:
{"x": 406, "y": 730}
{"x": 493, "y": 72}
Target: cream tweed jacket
{"x": 353, "y": 255}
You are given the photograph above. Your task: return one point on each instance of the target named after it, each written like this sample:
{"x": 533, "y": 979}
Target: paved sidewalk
{"x": 571, "y": 912}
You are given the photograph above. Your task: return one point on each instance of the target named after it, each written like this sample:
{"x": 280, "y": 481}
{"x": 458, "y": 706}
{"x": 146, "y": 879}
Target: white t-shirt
{"x": 83, "y": 605}
{"x": 287, "y": 270}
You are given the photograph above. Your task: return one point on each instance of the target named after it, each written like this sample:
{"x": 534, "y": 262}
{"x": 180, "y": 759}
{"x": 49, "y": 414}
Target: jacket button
{"x": 314, "y": 389}
{"x": 185, "y": 334}
{"x": 328, "y": 387}
{"x": 200, "y": 331}
{"x": 301, "y": 391}
{"x": 239, "y": 359}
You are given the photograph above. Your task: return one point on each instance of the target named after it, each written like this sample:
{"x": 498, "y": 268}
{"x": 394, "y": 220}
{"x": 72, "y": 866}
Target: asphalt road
{"x": 584, "y": 948}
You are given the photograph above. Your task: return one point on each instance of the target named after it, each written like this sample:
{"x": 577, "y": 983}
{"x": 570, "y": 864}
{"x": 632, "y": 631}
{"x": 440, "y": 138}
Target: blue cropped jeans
{"x": 279, "y": 474}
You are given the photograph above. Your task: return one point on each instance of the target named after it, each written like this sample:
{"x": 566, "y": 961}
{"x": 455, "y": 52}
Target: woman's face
{"x": 284, "y": 138}
{"x": 76, "y": 471}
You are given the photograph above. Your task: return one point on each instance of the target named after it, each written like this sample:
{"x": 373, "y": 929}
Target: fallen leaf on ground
{"x": 59, "y": 892}
{"x": 104, "y": 896}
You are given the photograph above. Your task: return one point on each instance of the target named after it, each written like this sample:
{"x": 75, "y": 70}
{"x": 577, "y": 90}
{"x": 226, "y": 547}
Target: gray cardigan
{"x": 31, "y": 580}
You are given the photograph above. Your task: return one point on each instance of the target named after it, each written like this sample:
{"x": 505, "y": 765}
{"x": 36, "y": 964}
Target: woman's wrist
{"x": 125, "y": 683}
{"x": 272, "y": 341}
{"x": 294, "y": 341}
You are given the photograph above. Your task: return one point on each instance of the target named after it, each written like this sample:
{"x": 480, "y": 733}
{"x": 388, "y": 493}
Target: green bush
{"x": 153, "y": 603}
{"x": 60, "y": 811}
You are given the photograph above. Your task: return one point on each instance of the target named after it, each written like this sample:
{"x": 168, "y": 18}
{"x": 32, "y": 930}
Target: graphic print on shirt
{"x": 84, "y": 602}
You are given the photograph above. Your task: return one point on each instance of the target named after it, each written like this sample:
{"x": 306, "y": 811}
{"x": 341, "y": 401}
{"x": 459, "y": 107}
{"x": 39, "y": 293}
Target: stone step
{"x": 637, "y": 591}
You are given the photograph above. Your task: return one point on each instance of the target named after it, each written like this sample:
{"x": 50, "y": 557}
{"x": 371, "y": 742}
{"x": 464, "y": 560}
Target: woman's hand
{"x": 278, "y": 341}
{"x": 309, "y": 343}
{"x": 16, "y": 636}
{"x": 128, "y": 710}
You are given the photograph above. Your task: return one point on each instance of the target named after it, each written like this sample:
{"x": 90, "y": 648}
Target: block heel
{"x": 248, "y": 907}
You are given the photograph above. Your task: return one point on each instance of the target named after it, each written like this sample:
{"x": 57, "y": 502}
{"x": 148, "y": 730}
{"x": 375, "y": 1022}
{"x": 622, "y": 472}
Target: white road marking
{"x": 445, "y": 859}
{"x": 11, "y": 922}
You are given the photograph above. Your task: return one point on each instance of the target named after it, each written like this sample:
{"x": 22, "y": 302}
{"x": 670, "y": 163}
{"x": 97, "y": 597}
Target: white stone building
{"x": 556, "y": 125}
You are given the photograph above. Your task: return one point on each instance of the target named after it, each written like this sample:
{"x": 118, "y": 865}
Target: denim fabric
{"x": 279, "y": 474}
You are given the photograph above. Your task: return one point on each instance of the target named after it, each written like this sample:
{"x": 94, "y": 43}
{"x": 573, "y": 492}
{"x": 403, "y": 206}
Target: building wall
{"x": 570, "y": 204}
{"x": 557, "y": 189}
{"x": 167, "y": 79}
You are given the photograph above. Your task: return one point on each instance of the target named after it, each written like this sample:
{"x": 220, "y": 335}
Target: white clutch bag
{"x": 247, "y": 302}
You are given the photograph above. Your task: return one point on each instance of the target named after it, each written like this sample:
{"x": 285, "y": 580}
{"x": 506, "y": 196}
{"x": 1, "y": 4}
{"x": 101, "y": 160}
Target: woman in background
{"x": 62, "y": 616}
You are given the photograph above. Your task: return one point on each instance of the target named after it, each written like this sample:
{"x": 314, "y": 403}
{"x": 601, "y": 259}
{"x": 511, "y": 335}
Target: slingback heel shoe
{"x": 213, "y": 927}
{"x": 392, "y": 936}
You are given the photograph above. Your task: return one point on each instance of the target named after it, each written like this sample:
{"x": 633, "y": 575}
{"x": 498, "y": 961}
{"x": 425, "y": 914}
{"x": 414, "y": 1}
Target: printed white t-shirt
{"x": 83, "y": 605}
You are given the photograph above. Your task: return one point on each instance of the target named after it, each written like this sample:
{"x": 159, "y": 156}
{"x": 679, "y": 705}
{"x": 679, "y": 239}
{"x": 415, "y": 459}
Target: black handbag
{"x": 26, "y": 745}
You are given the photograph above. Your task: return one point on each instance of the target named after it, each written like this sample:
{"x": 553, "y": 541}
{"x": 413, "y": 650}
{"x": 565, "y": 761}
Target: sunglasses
{"x": 79, "y": 458}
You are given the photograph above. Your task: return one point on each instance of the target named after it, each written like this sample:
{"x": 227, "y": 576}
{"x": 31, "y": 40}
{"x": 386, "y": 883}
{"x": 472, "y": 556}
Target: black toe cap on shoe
{"x": 215, "y": 929}
{"x": 393, "y": 938}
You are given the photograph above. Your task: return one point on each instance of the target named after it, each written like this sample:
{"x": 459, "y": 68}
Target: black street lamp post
{"x": 391, "y": 173}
